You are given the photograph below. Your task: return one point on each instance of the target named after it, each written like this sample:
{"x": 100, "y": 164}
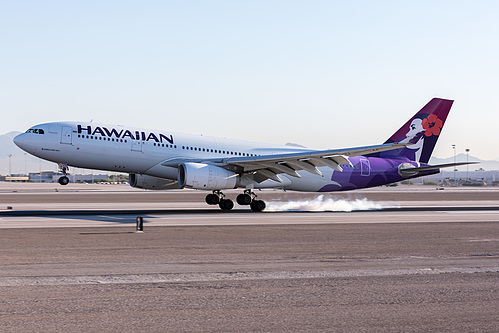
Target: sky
{"x": 324, "y": 74}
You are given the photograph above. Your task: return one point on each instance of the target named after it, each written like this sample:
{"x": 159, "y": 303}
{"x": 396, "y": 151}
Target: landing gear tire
{"x": 226, "y": 204}
{"x": 64, "y": 180}
{"x": 212, "y": 199}
{"x": 244, "y": 199}
{"x": 258, "y": 205}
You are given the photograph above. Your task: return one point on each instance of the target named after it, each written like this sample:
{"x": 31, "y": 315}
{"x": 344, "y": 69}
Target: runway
{"x": 82, "y": 205}
{"x": 71, "y": 261}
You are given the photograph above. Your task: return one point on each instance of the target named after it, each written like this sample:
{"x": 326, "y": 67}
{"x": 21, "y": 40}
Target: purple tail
{"x": 421, "y": 131}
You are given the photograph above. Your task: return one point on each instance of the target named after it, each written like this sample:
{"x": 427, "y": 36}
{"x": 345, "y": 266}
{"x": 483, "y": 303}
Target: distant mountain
{"x": 6, "y": 144}
{"x": 484, "y": 164}
{"x": 291, "y": 144}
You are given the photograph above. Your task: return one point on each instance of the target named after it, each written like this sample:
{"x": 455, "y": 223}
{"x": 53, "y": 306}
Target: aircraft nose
{"x": 19, "y": 140}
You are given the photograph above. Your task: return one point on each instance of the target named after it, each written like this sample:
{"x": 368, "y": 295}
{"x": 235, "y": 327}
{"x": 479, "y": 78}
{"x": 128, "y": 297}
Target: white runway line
{"x": 231, "y": 276}
{"x": 234, "y": 218}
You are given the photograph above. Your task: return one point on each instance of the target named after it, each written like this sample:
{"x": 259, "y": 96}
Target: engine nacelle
{"x": 404, "y": 170}
{"x": 206, "y": 177}
{"x": 152, "y": 183}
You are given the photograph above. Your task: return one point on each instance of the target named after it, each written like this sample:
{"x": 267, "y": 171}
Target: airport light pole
{"x": 10, "y": 165}
{"x": 467, "y": 165}
{"x": 455, "y": 180}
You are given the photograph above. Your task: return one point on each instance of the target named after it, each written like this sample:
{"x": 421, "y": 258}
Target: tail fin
{"x": 422, "y": 131}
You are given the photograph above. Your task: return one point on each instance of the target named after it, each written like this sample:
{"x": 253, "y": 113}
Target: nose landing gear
{"x": 64, "y": 180}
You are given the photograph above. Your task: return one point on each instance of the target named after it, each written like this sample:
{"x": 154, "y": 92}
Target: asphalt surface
{"x": 195, "y": 268}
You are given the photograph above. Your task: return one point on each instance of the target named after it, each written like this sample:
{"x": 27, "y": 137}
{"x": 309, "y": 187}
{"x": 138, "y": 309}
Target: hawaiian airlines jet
{"x": 162, "y": 160}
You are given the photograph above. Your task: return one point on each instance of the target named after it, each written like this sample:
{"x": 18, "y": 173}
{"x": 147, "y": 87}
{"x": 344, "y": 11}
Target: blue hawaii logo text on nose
{"x": 124, "y": 133}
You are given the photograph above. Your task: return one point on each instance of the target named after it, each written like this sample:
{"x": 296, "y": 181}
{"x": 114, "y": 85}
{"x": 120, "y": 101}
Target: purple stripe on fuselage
{"x": 369, "y": 172}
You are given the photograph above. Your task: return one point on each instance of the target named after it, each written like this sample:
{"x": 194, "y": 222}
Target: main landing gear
{"x": 244, "y": 199}
{"x": 249, "y": 198}
{"x": 218, "y": 198}
{"x": 64, "y": 180}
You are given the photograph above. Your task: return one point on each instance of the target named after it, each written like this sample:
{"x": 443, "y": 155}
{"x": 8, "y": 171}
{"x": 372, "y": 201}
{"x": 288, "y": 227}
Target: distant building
{"x": 16, "y": 178}
{"x": 53, "y": 177}
{"x": 490, "y": 177}
{"x": 43, "y": 177}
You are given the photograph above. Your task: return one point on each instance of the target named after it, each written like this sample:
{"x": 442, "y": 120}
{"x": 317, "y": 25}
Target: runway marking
{"x": 228, "y": 276}
{"x": 221, "y": 219}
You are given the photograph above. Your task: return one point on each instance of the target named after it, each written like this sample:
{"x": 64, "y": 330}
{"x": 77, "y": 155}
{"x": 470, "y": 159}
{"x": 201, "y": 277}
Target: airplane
{"x": 162, "y": 160}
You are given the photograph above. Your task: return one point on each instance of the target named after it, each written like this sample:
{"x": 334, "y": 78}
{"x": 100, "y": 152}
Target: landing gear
{"x": 212, "y": 199}
{"x": 64, "y": 180}
{"x": 258, "y": 205}
{"x": 244, "y": 199}
{"x": 226, "y": 204}
{"x": 218, "y": 198}
{"x": 248, "y": 198}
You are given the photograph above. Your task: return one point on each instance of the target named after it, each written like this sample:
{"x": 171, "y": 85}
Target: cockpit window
{"x": 36, "y": 131}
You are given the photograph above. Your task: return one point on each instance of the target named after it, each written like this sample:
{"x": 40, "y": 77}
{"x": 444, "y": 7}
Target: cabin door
{"x": 67, "y": 135}
{"x": 137, "y": 145}
{"x": 365, "y": 167}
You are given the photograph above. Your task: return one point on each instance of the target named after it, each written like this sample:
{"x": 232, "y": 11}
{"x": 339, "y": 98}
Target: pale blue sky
{"x": 325, "y": 74}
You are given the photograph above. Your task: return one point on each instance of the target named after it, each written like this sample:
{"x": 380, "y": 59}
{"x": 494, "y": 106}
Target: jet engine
{"x": 206, "y": 177}
{"x": 152, "y": 183}
{"x": 404, "y": 170}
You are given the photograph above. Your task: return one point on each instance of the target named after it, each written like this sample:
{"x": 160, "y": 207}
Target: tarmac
{"x": 404, "y": 259}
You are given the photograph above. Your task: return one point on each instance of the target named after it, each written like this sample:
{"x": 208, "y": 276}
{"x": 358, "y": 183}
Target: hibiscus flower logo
{"x": 432, "y": 125}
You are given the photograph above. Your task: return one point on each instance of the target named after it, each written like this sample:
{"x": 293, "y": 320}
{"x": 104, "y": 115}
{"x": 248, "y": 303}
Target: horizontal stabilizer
{"x": 410, "y": 171}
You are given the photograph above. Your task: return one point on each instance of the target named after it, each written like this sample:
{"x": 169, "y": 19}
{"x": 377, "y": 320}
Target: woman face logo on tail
{"x": 422, "y": 127}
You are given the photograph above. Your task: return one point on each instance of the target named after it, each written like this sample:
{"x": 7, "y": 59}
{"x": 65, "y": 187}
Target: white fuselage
{"x": 147, "y": 152}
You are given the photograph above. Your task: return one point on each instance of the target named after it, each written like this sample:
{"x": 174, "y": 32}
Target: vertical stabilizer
{"x": 422, "y": 131}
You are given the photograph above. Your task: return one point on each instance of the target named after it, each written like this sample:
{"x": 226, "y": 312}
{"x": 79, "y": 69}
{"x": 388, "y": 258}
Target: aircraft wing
{"x": 269, "y": 166}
